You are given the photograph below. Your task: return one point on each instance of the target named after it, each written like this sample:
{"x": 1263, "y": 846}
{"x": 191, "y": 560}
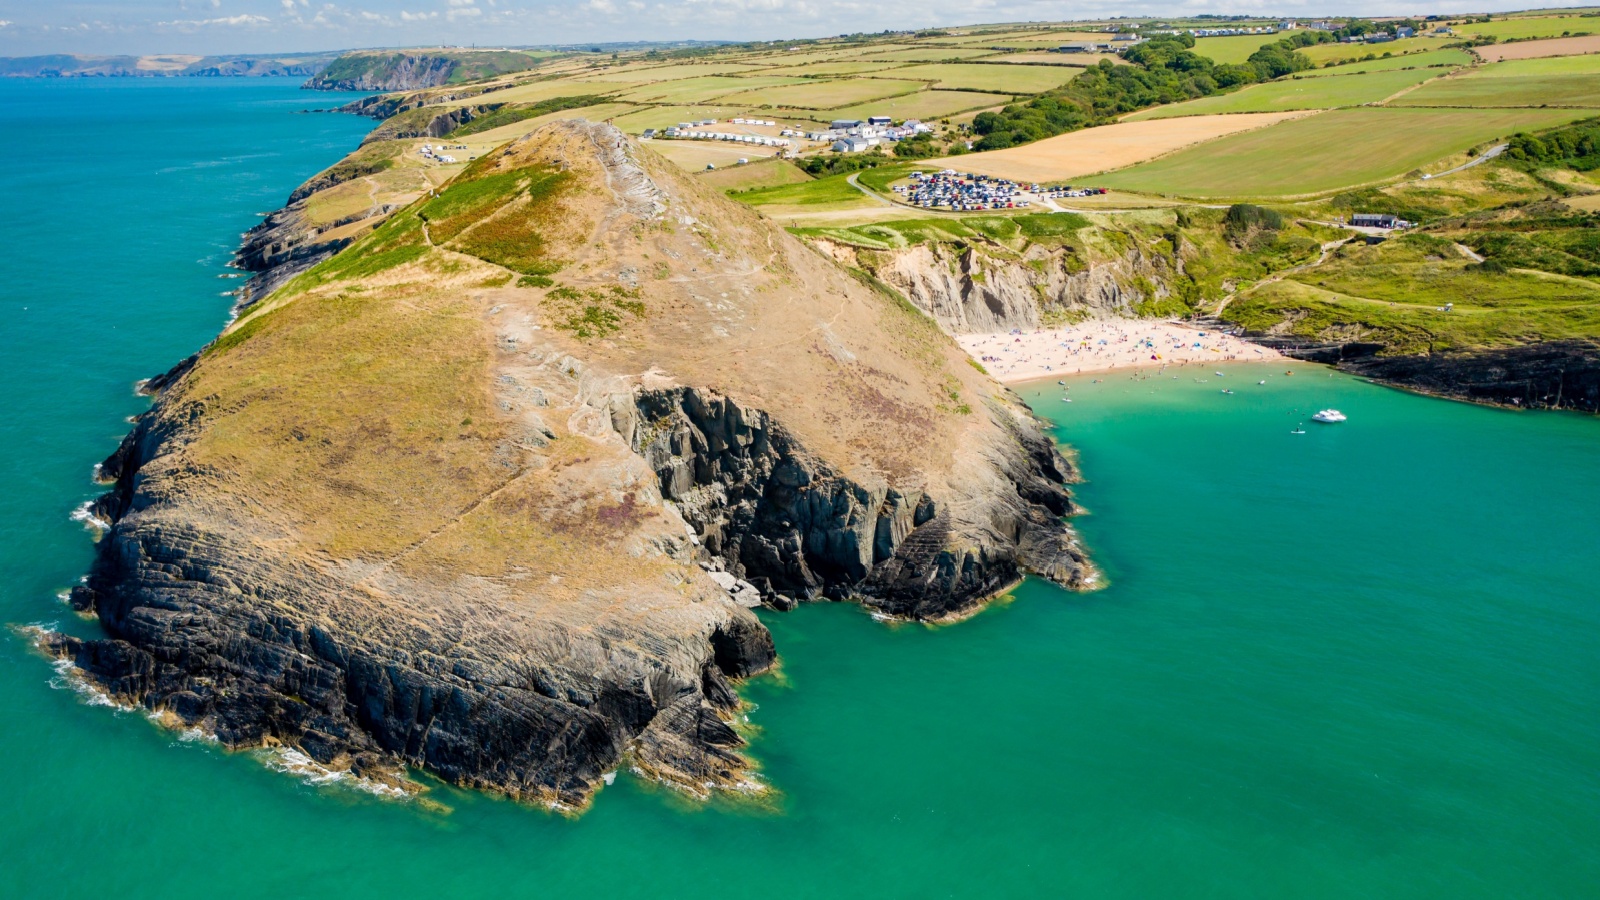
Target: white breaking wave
{"x": 85, "y": 514}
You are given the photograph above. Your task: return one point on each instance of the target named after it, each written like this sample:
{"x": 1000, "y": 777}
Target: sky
{"x": 31, "y": 27}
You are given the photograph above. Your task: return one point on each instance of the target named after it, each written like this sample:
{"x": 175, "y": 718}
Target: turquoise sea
{"x": 1359, "y": 662}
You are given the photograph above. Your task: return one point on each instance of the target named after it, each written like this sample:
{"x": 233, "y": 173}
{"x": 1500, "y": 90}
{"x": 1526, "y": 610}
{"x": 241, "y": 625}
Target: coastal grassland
{"x": 1483, "y": 87}
{"x": 833, "y": 69}
{"x": 342, "y": 201}
{"x": 484, "y": 141}
{"x": 1011, "y": 232}
{"x": 833, "y": 191}
{"x": 767, "y": 173}
{"x": 644, "y": 74}
{"x": 1431, "y": 59}
{"x": 1295, "y": 93}
{"x": 826, "y": 94}
{"x": 1090, "y": 150}
{"x": 704, "y": 89}
{"x": 1051, "y": 58}
{"x": 1335, "y": 54}
{"x": 1394, "y": 294}
{"x": 1233, "y": 49}
{"x": 539, "y": 91}
{"x": 511, "y": 115}
{"x": 694, "y": 156}
{"x": 923, "y": 105}
{"x": 409, "y": 421}
{"x": 932, "y": 54}
{"x": 991, "y": 78}
{"x": 666, "y": 116}
{"x": 1429, "y": 201}
{"x": 1327, "y": 151}
{"x": 1532, "y": 27}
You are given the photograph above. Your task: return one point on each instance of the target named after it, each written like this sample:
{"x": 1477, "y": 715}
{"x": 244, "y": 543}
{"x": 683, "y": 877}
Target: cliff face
{"x": 1549, "y": 375}
{"x": 969, "y": 291}
{"x": 490, "y": 491}
{"x": 393, "y": 72}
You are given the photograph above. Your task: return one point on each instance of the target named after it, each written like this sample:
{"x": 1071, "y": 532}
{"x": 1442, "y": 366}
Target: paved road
{"x": 1487, "y": 155}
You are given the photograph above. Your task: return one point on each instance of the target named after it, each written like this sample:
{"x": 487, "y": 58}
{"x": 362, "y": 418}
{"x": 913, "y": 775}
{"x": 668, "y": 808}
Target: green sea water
{"x": 1359, "y": 662}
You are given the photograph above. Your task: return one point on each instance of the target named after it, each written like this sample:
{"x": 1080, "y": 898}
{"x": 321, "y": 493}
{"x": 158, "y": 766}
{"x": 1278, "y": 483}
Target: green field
{"x": 1394, "y": 292}
{"x": 825, "y": 69}
{"x": 824, "y": 191}
{"x": 1533, "y": 27}
{"x": 825, "y": 94}
{"x": 646, "y": 75}
{"x": 700, "y": 90}
{"x": 1235, "y": 48}
{"x": 1430, "y": 58}
{"x": 988, "y": 77}
{"x": 932, "y": 54}
{"x": 1327, "y": 151}
{"x": 1303, "y": 93}
{"x": 1322, "y": 54}
{"x": 766, "y": 173}
{"x": 922, "y": 105}
{"x": 1549, "y": 65}
{"x": 1481, "y": 88}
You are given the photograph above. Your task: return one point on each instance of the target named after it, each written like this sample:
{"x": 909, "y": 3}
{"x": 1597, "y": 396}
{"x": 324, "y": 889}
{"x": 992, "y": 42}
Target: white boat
{"x": 1329, "y": 416}
{"x": 1299, "y": 429}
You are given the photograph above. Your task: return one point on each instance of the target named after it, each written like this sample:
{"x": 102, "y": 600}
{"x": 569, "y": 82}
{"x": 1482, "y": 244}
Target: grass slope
{"x": 1301, "y": 93}
{"x": 1327, "y": 151}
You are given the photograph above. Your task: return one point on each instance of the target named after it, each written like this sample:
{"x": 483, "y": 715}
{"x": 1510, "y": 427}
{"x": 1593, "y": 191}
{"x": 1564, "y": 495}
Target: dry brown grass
{"x": 1108, "y": 147}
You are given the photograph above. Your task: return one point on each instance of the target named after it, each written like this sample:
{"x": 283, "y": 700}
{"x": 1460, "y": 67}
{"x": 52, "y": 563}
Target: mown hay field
{"x": 1303, "y": 93}
{"x": 1091, "y": 150}
{"x": 701, "y": 90}
{"x": 932, "y": 54}
{"x": 1050, "y": 58}
{"x": 1326, "y": 151}
{"x": 650, "y": 74}
{"x": 987, "y": 77}
{"x": 1483, "y": 88}
{"x": 1551, "y": 65}
{"x": 825, "y": 94}
{"x": 815, "y": 70}
{"x": 923, "y": 105}
{"x": 1534, "y": 49}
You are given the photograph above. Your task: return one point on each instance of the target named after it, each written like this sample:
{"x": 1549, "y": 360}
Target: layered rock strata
{"x": 421, "y": 509}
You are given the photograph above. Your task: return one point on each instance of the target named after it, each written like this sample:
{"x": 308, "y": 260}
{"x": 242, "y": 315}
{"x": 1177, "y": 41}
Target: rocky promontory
{"x": 491, "y": 491}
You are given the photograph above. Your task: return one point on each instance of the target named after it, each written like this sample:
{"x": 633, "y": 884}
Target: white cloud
{"x": 463, "y": 12}
{"x": 5, "y": 23}
{"x": 241, "y": 20}
{"x": 408, "y": 16}
{"x": 462, "y": 2}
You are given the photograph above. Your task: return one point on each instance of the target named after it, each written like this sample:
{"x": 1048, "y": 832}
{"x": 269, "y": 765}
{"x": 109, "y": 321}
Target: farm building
{"x": 1375, "y": 220}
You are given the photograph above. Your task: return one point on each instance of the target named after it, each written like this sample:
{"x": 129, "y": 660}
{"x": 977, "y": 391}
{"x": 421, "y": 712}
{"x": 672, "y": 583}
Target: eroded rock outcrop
{"x": 971, "y": 288}
{"x": 490, "y": 493}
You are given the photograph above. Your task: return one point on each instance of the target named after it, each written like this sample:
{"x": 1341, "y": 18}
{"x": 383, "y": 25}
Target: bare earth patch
{"x": 1110, "y": 146}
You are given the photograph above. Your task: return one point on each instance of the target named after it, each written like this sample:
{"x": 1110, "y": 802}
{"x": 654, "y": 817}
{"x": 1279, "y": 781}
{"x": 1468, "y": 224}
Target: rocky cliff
{"x": 384, "y": 72}
{"x": 1549, "y": 375}
{"x": 974, "y": 288}
{"x": 490, "y": 491}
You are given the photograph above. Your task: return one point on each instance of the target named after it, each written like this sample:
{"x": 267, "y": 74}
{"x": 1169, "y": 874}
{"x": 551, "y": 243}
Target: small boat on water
{"x": 1261, "y": 382}
{"x": 1299, "y": 429}
{"x": 1226, "y": 391}
{"x": 1329, "y": 416}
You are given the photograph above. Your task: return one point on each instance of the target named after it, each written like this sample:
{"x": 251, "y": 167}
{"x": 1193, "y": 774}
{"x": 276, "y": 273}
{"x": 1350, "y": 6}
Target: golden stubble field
{"x": 1108, "y": 147}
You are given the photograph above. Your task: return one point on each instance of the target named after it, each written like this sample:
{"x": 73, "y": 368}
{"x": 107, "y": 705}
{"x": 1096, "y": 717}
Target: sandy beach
{"x": 1100, "y": 345}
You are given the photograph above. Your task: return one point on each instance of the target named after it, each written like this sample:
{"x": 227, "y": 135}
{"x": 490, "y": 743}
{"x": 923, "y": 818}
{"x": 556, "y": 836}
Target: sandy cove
{"x": 1101, "y": 345}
